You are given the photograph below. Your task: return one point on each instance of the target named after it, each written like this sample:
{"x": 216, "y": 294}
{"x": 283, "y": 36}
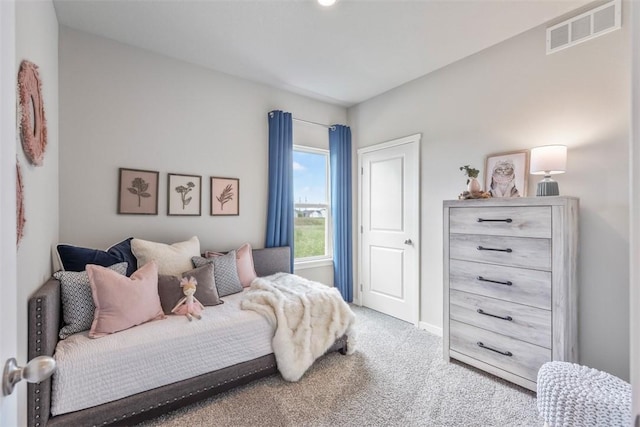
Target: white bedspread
{"x": 96, "y": 371}
{"x": 308, "y": 316}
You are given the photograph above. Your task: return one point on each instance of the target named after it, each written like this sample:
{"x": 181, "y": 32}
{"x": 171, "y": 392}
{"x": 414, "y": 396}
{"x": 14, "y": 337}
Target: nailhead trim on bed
{"x": 124, "y": 416}
{"x": 39, "y": 353}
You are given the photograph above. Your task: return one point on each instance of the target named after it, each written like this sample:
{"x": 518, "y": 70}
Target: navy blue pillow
{"x": 75, "y": 258}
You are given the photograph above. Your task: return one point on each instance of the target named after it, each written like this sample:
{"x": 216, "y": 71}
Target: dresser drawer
{"x": 520, "y": 358}
{"x": 517, "y": 221}
{"x": 522, "y": 322}
{"x": 519, "y": 285}
{"x": 510, "y": 251}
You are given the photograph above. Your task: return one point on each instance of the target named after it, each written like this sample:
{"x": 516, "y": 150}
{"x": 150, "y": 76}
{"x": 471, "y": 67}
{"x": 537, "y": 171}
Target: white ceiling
{"x": 344, "y": 54}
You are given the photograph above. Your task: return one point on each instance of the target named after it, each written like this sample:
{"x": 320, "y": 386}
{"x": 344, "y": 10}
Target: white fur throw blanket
{"x": 307, "y": 316}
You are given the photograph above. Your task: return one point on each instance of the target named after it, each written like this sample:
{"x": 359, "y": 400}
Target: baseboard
{"x": 436, "y": 330}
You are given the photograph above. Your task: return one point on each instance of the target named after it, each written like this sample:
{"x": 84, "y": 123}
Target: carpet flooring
{"x": 397, "y": 377}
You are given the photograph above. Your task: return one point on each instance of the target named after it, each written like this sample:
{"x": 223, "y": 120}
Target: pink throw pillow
{"x": 123, "y": 302}
{"x": 244, "y": 263}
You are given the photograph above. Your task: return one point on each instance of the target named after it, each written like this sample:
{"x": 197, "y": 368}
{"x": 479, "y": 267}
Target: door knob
{"x": 408, "y": 242}
{"x": 38, "y": 369}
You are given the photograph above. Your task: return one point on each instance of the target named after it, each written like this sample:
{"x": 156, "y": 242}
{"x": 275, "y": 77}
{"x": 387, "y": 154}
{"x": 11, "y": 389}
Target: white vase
{"x": 474, "y": 185}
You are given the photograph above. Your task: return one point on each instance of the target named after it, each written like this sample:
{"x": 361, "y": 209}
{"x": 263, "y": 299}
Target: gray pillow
{"x": 206, "y": 292}
{"x": 225, "y": 272}
{"x": 77, "y": 299}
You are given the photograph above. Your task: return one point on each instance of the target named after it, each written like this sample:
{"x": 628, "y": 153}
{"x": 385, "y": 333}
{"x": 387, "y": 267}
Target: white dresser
{"x": 510, "y": 291}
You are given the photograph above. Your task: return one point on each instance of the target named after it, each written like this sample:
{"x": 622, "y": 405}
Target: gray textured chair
{"x": 573, "y": 395}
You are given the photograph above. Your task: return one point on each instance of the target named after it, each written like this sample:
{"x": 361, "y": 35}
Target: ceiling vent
{"x": 586, "y": 26}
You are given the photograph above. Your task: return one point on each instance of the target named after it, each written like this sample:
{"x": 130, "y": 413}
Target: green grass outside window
{"x": 309, "y": 237}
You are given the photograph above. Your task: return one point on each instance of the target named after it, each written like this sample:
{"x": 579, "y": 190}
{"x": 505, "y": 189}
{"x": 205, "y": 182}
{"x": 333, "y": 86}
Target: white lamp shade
{"x": 327, "y": 3}
{"x": 548, "y": 160}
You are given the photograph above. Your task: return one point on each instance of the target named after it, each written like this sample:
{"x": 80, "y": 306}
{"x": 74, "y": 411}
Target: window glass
{"x": 311, "y": 203}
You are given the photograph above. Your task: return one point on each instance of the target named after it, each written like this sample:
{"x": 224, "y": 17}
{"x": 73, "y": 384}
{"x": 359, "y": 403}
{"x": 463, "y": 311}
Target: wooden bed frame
{"x": 45, "y": 317}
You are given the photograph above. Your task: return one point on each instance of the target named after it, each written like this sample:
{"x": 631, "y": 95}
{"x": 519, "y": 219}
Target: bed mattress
{"x": 96, "y": 371}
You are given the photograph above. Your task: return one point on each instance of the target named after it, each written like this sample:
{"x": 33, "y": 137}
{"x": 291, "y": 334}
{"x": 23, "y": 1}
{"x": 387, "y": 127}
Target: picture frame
{"x": 138, "y": 191}
{"x": 507, "y": 174}
{"x": 184, "y": 195}
{"x": 225, "y": 196}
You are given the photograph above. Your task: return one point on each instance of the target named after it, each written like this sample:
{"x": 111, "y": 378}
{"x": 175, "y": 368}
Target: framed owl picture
{"x": 506, "y": 174}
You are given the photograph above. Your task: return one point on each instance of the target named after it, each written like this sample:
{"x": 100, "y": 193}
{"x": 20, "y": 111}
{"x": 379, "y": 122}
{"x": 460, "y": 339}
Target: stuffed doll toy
{"x": 189, "y": 305}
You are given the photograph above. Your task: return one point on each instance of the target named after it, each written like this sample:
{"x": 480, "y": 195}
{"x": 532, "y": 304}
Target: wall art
{"x": 138, "y": 192}
{"x": 184, "y": 194}
{"x": 506, "y": 174}
{"x": 33, "y": 124}
{"x": 225, "y": 196}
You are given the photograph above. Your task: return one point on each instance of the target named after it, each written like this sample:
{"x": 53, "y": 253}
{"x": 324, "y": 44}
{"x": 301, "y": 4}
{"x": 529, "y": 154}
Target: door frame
{"x": 411, "y": 139}
{"x": 8, "y": 269}
{"x": 634, "y": 216}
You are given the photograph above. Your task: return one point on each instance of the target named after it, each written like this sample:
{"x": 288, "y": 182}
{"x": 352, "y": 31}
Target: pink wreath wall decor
{"x": 21, "y": 220}
{"x": 33, "y": 124}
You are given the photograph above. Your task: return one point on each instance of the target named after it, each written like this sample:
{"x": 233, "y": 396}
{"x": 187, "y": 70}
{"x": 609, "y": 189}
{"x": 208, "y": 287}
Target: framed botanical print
{"x": 184, "y": 194}
{"x": 138, "y": 192}
{"x": 225, "y": 196}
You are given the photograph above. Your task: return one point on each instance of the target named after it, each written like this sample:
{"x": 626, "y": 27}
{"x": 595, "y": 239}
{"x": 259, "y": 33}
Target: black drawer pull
{"x": 482, "y": 248}
{"x": 507, "y": 283}
{"x": 508, "y": 220}
{"x": 481, "y": 311}
{"x": 504, "y": 353}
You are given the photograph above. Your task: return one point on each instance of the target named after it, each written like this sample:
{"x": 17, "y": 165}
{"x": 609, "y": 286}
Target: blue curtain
{"x": 340, "y": 160}
{"x": 280, "y": 205}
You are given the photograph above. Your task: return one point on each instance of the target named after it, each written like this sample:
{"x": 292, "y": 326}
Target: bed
{"x": 44, "y": 324}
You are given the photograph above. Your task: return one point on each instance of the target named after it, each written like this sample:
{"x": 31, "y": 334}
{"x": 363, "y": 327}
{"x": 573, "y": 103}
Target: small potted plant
{"x": 473, "y": 185}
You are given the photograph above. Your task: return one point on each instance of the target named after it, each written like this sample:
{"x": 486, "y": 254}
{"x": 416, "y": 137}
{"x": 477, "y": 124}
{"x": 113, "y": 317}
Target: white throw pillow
{"x": 172, "y": 260}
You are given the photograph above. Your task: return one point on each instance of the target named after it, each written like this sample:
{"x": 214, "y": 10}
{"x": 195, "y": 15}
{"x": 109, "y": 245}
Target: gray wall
{"x": 37, "y": 41}
{"x": 122, "y": 106}
{"x": 512, "y": 97}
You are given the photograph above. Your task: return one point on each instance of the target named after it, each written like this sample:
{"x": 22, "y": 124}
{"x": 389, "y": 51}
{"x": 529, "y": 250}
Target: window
{"x": 311, "y": 203}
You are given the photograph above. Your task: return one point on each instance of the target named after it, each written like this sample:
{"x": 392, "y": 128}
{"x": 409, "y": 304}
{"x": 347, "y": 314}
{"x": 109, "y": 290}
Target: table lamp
{"x": 548, "y": 160}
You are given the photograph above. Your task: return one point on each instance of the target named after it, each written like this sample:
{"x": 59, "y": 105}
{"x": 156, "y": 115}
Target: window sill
{"x": 312, "y": 263}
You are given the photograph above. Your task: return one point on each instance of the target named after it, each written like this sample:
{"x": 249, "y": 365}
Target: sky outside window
{"x": 309, "y": 178}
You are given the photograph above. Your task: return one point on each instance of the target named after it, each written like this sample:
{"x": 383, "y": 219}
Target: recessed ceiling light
{"x": 327, "y": 3}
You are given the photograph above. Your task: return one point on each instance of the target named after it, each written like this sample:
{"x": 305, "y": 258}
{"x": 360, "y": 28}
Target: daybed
{"x": 44, "y": 324}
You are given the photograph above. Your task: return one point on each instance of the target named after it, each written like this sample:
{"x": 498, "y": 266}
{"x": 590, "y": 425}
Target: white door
{"x": 390, "y": 227}
{"x": 635, "y": 212}
{"x": 8, "y": 326}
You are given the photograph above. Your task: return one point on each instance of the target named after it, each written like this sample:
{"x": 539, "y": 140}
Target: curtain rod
{"x": 314, "y": 123}
{"x": 309, "y": 122}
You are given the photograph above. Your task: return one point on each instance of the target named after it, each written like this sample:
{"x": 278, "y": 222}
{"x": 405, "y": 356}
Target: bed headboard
{"x": 45, "y": 318}
{"x": 43, "y": 325}
{"x": 272, "y": 260}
